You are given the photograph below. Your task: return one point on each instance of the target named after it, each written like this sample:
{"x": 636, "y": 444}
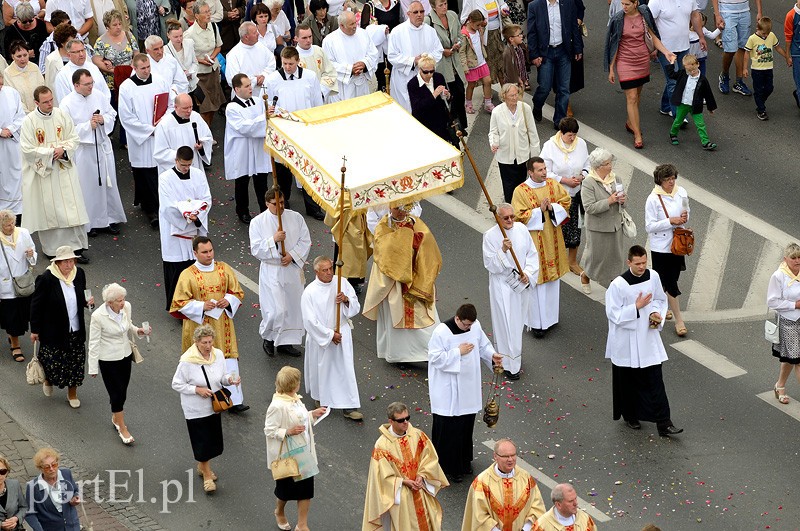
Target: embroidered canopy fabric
{"x": 390, "y": 156}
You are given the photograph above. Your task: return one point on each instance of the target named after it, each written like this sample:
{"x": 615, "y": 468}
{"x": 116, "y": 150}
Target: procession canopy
{"x": 391, "y": 157}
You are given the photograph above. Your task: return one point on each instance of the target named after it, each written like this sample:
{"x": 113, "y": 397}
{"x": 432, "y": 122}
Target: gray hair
{"x": 72, "y": 42}
{"x": 344, "y": 17}
{"x": 113, "y": 291}
{"x": 598, "y": 157}
{"x": 25, "y": 12}
{"x": 243, "y": 29}
{"x": 505, "y": 88}
{"x": 322, "y": 258}
{"x": 505, "y": 206}
{"x": 7, "y": 215}
{"x": 792, "y": 250}
{"x": 198, "y": 6}
{"x": 202, "y": 331}
{"x": 558, "y": 492}
{"x": 272, "y": 4}
{"x": 152, "y": 40}
{"x": 395, "y": 408}
{"x": 503, "y": 441}
{"x": 426, "y": 58}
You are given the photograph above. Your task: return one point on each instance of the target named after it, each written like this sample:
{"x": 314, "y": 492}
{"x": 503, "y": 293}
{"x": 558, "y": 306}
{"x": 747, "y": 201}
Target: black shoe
{"x": 289, "y": 350}
{"x": 633, "y": 424}
{"x": 669, "y": 430}
{"x": 456, "y": 478}
{"x": 538, "y": 333}
{"x": 318, "y": 215}
{"x": 269, "y": 347}
{"x": 245, "y": 218}
{"x": 513, "y": 376}
{"x": 82, "y": 259}
{"x": 153, "y": 219}
{"x": 537, "y": 114}
{"x": 239, "y": 408}
{"x": 92, "y": 233}
{"x": 113, "y": 229}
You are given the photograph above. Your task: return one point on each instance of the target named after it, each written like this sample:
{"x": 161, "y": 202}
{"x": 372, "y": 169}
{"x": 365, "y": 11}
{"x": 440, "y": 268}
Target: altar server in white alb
{"x": 406, "y": 43}
{"x": 62, "y": 84}
{"x": 313, "y": 58}
{"x": 245, "y": 158}
{"x": 11, "y": 117}
{"x": 182, "y": 127}
{"x": 95, "y": 156}
{"x": 455, "y": 352}
{"x": 354, "y": 57}
{"x": 280, "y": 276}
{"x": 165, "y": 65}
{"x": 184, "y": 203}
{"x": 136, "y": 114}
{"x": 52, "y": 201}
{"x": 250, "y": 57}
{"x": 636, "y": 307}
{"x": 328, "y": 366}
{"x": 509, "y": 289}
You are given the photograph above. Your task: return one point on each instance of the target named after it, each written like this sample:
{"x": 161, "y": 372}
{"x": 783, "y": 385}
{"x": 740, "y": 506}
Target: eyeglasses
{"x": 418, "y": 12}
{"x": 51, "y": 466}
{"x": 3, "y": 471}
{"x": 427, "y": 71}
{"x": 507, "y": 217}
{"x": 402, "y": 420}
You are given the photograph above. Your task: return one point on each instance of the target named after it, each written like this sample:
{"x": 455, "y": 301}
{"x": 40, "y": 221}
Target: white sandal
{"x": 780, "y": 394}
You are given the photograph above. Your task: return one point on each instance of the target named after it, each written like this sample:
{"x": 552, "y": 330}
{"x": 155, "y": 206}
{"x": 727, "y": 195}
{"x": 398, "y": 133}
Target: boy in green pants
{"x": 691, "y": 92}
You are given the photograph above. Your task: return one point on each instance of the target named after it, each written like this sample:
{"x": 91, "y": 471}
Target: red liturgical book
{"x": 160, "y": 103}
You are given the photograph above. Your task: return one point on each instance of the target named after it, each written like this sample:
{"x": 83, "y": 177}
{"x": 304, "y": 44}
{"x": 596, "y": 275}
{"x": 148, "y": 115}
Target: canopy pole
{"x": 387, "y": 73}
{"x": 492, "y": 207}
{"x": 339, "y": 261}
{"x": 275, "y": 187}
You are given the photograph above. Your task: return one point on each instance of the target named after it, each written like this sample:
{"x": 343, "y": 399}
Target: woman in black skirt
{"x": 57, "y": 323}
{"x": 288, "y": 427}
{"x": 19, "y": 254}
{"x": 200, "y": 373}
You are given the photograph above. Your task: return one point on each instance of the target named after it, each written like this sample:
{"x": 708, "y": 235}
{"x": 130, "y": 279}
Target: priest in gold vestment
{"x": 504, "y": 497}
{"x": 357, "y": 246}
{"x": 565, "y": 514}
{"x": 401, "y": 296}
{"x": 404, "y": 478}
{"x": 209, "y": 293}
{"x": 542, "y": 205}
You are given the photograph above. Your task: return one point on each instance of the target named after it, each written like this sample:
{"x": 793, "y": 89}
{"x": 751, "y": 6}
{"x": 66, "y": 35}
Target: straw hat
{"x": 63, "y": 253}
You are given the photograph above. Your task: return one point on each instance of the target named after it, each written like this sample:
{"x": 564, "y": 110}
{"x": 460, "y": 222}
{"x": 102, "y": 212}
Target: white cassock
{"x": 63, "y": 83}
{"x": 170, "y": 69}
{"x": 11, "y": 118}
{"x": 177, "y": 197}
{"x": 328, "y": 368}
{"x": 345, "y": 50}
{"x": 280, "y": 288}
{"x": 454, "y": 381}
{"x": 251, "y": 60}
{"x": 173, "y": 132}
{"x": 314, "y": 59}
{"x": 509, "y": 307}
{"x": 52, "y": 201}
{"x": 136, "y": 105}
{"x": 245, "y": 130}
{"x": 98, "y": 177}
{"x": 406, "y": 42}
{"x": 375, "y": 214}
{"x": 631, "y": 342}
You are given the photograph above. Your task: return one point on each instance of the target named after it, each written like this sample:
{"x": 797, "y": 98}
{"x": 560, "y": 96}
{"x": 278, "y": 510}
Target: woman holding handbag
{"x": 19, "y": 255}
{"x": 201, "y": 374}
{"x": 110, "y": 351}
{"x": 783, "y": 296}
{"x": 667, "y": 208}
{"x": 288, "y": 428}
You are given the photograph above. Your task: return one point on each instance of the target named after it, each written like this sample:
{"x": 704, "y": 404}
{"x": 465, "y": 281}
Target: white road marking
{"x": 542, "y": 478}
{"x": 768, "y": 261}
{"x": 792, "y": 408}
{"x": 245, "y": 281}
{"x": 711, "y": 264}
{"x": 708, "y": 358}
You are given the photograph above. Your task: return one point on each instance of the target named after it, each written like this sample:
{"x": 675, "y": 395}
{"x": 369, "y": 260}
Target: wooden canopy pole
{"x": 339, "y": 261}
{"x": 275, "y": 187}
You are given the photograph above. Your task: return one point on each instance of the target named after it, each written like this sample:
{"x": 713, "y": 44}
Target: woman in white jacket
{"x": 783, "y": 296}
{"x": 19, "y": 254}
{"x": 110, "y": 344}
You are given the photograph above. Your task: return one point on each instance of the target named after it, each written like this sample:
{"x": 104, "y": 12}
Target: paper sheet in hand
{"x": 215, "y": 312}
{"x": 327, "y": 412}
{"x": 513, "y": 280}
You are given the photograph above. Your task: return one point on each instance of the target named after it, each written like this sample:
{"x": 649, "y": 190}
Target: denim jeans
{"x": 669, "y": 87}
{"x": 762, "y": 87}
{"x": 796, "y": 72}
{"x": 554, "y": 74}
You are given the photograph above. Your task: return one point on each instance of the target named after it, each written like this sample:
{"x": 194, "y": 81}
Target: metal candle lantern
{"x": 491, "y": 413}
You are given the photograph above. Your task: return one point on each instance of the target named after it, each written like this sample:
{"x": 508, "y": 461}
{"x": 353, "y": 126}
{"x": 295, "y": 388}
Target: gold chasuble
{"x": 357, "y": 246}
{"x": 505, "y": 503}
{"x": 407, "y": 256}
{"x": 394, "y": 459}
{"x": 196, "y": 285}
{"x": 548, "y": 522}
{"x": 550, "y": 240}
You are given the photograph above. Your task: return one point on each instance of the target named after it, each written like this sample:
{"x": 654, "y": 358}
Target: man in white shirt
{"x": 11, "y": 116}
{"x": 354, "y": 57}
{"x": 250, "y": 57}
{"x": 165, "y": 66}
{"x": 182, "y": 127}
{"x": 79, "y": 11}
{"x": 77, "y": 59}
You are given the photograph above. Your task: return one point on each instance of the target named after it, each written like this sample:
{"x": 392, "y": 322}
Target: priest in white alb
{"x": 314, "y": 59}
{"x": 95, "y": 156}
{"x": 328, "y": 367}
{"x": 455, "y": 352}
{"x": 354, "y": 57}
{"x": 250, "y": 57}
{"x": 165, "y": 65}
{"x": 62, "y": 85}
{"x": 52, "y": 201}
{"x": 406, "y": 43}
{"x": 280, "y": 276}
{"x": 11, "y": 118}
{"x": 509, "y": 289}
{"x": 182, "y": 127}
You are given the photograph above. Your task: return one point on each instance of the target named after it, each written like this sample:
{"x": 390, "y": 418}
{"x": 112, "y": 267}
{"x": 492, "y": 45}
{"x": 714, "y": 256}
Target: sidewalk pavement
{"x": 19, "y": 449}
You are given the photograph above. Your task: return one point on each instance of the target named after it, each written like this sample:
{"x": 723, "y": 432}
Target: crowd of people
{"x": 160, "y": 72}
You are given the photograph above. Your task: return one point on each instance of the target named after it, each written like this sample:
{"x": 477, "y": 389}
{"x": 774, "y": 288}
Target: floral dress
{"x": 118, "y": 54}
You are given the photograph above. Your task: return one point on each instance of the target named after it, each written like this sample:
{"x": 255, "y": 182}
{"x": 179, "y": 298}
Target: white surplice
{"x": 176, "y": 196}
{"x": 295, "y": 92}
{"x": 251, "y": 60}
{"x": 314, "y": 59}
{"x": 170, "y": 135}
{"x": 170, "y": 69}
{"x": 280, "y": 288}
{"x": 11, "y": 118}
{"x": 63, "y": 83}
{"x": 328, "y": 368}
{"x": 245, "y": 130}
{"x": 136, "y": 106}
{"x": 631, "y": 342}
{"x": 509, "y": 307}
{"x": 100, "y": 190}
{"x": 406, "y": 42}
{"x": 345, "y": 50}
{"x": 454, "y": 381}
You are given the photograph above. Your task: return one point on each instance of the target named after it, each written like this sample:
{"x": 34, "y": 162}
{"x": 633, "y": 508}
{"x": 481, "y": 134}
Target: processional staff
{"x": 275, "y": 187}
{"x": 339, "y": 261}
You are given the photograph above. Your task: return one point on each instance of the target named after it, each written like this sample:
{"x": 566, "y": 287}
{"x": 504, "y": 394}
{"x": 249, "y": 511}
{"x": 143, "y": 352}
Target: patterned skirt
{"x": 571, "y": 229}
{"x": 788, "y": 347}
{"x": 64, "y": 365}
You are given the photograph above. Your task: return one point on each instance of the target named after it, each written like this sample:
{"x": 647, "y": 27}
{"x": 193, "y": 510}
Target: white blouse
{"x": 17, "y": 260}
{"x": 781, "y": 296}
{"x": 657, "y": 224}
{"x": 189, "y": 376}
{"x": 560, "y": 164}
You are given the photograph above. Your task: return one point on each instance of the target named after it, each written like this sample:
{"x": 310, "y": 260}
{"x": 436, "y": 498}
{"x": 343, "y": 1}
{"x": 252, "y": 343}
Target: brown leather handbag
{"x": 682, "y": 238}
{"x": 220, "y": 400}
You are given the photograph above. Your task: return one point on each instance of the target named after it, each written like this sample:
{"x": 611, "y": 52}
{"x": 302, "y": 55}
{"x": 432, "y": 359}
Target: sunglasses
{"x": 3, "y": 471}
{"x": 50, "y": 466}
{"x": 402, "y": 420}
{"x": 427, "y": 71}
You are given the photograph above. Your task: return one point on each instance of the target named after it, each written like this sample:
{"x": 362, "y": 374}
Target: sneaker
{"x": 724, "y": 83}
{"x": 353, "y": 414}
{"x": 709, "y": 146}
{"x": 674, "y": 140}
{"x": 664, "y": 113}
{"x": 762, "y": 116}
{"x": 740, "y": 88}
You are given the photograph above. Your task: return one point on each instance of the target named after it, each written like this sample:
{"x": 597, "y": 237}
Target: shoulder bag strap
{"x": 663, "y": 206}
{"x": 202, "y": 368}
{"x": 6, "y": 258}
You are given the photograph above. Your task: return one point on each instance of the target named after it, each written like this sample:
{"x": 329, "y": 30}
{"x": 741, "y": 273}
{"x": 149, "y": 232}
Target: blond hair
{"x": 287, "y": 380}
